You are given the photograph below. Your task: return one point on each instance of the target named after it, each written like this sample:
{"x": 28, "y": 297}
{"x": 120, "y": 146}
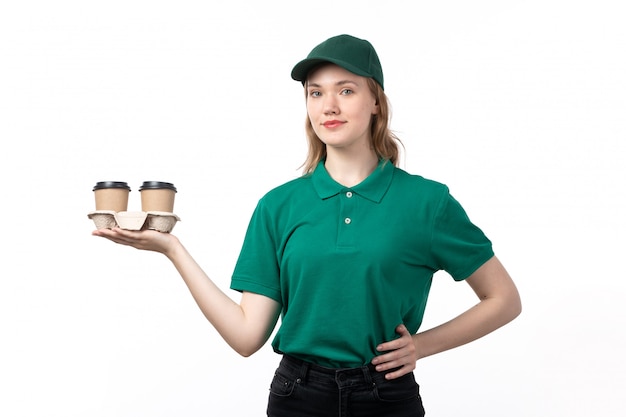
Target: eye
{"x": 314, "y": 93}
{"x": 346, "y": 91}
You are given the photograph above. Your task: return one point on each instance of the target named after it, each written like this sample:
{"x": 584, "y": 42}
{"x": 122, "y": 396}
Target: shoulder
{"x": 288, "y": 188}
{"x": 284, "y": 195}
{"x": 414, "y": 183}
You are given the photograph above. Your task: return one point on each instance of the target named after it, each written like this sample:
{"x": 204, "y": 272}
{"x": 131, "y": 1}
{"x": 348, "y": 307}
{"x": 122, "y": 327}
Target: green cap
{"x": 353, "y": 54}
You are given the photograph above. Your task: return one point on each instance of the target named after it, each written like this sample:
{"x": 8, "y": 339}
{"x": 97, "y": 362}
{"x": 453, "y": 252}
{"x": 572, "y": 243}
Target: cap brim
{"x": 302, "y": 68}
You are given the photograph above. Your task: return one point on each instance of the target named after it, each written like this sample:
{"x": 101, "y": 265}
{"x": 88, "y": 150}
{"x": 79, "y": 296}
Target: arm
{"x": 499, "y": 304}
{"x": 245, "y": 326}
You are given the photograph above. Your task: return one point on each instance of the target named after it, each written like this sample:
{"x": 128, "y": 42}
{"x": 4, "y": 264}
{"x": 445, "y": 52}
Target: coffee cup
{"x": 157, "y": 196}
{"x": 111, "y": 195}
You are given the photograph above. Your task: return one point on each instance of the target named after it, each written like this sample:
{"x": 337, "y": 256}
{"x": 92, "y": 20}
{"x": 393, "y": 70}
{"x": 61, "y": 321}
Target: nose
{"x": 330, "y": 105}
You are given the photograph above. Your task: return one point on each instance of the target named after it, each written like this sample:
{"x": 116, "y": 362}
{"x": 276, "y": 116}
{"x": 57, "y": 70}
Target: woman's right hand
{"x": 151, "y": 240}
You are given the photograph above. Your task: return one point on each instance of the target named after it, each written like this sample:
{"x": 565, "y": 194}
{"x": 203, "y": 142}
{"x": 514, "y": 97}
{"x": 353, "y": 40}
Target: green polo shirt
{"x": 348, "y": 264}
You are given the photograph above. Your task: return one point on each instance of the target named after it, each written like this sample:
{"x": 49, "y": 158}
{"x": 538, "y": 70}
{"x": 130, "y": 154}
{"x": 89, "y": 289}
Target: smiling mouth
{"x": 332, "y": 123}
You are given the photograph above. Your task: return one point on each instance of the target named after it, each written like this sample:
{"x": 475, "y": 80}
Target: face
{"x": 340, "y": 106}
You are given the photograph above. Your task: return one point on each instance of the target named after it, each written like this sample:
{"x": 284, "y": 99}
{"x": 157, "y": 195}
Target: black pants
{"x": 302, "y": 389}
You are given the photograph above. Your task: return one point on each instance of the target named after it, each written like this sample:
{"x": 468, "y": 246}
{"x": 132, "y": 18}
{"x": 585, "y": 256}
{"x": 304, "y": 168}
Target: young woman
{"x": 345, "y": 255}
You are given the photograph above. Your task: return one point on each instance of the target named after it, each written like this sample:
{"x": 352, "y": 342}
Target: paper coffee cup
{"x": 157, "y": 196}
{"x": 111, "y": 195}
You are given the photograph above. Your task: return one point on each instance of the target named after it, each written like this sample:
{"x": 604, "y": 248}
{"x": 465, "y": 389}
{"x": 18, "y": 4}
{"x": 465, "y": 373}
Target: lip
{"x": 332, "y": 124}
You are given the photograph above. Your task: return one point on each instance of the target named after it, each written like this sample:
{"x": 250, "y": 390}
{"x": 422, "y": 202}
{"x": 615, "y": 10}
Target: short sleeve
{"x": 257, "y": 267}
{"x": 458, "y": 246}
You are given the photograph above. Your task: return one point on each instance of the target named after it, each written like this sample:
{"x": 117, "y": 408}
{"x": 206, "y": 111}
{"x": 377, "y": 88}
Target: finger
{"x": 392, "y": 357}
{"x": 402, "y": 330}
{"x": 114, "y": 236}
{"x": 398, "y": 373}
{"x": 397, "y": 343}
{"x": 387, "y": 357}
{"x": 392, "y": 345}
{"x": 392, "y": 363}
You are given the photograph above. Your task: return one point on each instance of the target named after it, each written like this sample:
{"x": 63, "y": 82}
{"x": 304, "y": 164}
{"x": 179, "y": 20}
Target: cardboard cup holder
{"x": 134, "y": 220}
{"x": 112, "y": 204}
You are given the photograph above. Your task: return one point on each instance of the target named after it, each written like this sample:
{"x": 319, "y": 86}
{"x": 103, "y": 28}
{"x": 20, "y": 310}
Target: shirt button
{"x": 349, "y": 194}
{"x": 347, "y": 220}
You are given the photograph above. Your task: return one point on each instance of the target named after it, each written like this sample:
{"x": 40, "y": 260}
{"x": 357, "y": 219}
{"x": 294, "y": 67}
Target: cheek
{"x": 371, "y": 108}
{"x": 311, "y": 118}
{"x": 311, "y": 109}
{"x": 365, "y": 114}
{"x": 312, "y": 112}
{"x": 316, "y": 129}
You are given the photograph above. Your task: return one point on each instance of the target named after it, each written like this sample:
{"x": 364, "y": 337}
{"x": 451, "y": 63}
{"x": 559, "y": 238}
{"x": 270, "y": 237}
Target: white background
{"x": 519, "y": 107}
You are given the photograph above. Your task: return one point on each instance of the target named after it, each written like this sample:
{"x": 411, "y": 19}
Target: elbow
{"x": 507, "y": 308}
{"x": 245, "y": 343}
{"x": 245, "y": 353}
{"x": 519, "y": 305}
{"x": 514, "y": 306}
{"x": 514, "y": 312}
{"x": 518, "y": 310}
{"x": 246, "y": 350}
{"x": 511, "y": 302}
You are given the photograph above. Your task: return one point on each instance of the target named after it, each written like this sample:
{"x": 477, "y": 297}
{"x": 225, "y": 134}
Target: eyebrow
{"x": 338, "y": 83}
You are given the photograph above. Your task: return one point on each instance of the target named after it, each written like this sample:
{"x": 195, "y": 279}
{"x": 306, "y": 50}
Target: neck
{"x": 350, "y": 170}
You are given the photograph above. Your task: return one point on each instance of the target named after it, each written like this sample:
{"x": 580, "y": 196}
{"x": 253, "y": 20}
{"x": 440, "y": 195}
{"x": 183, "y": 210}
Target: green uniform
{"x": 348, "y": 264}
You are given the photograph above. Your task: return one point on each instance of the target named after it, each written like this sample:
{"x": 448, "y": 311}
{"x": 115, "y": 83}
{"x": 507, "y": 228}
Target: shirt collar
{"x": 373, "y": 187}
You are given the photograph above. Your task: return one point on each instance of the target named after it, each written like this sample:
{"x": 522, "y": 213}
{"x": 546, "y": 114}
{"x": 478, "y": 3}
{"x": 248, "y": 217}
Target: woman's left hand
{"x": 400, "y": 353}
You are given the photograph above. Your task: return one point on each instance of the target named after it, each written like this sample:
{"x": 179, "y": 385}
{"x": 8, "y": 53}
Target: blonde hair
{"x": 384, "y": 142}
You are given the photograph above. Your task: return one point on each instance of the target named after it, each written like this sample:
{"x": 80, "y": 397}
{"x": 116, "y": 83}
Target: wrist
{"x": 173, "y": 248}
{"x": 418, "y": 341}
